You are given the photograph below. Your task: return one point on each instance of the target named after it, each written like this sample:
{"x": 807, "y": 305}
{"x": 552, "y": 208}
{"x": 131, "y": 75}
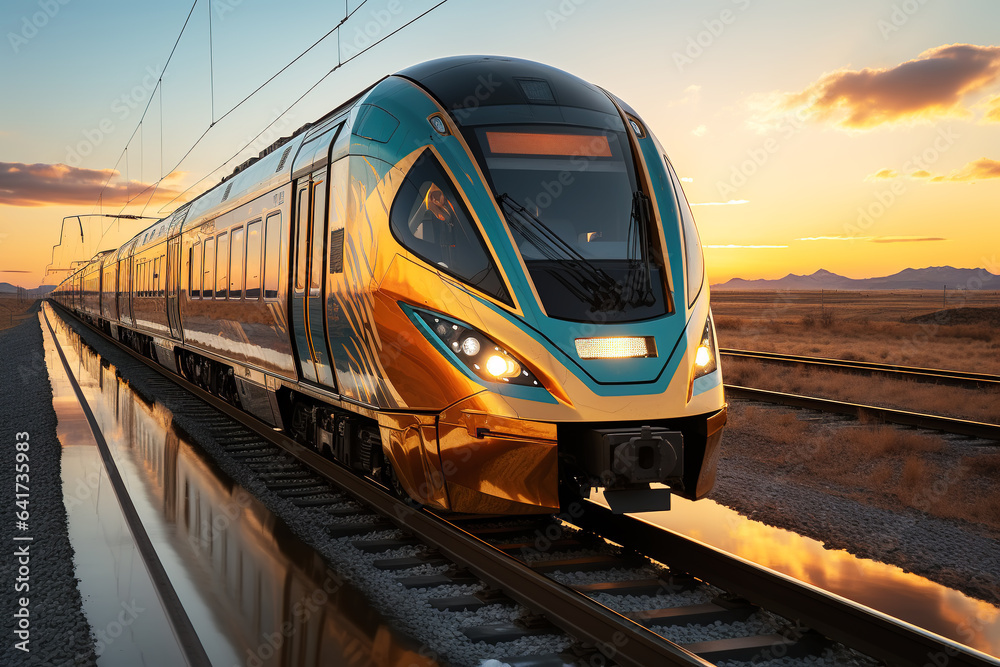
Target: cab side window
{"x": 430, "y": 219}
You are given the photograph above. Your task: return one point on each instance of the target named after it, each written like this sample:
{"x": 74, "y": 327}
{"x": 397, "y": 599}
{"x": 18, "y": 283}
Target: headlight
{"x": 616, "y": 347}
{"x": 706, "y": 356}
{"x": 478, "y": 352}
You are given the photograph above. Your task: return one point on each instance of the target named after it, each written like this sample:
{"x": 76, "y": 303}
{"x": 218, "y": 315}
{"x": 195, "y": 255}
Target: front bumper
{"x": 473, "y": 461}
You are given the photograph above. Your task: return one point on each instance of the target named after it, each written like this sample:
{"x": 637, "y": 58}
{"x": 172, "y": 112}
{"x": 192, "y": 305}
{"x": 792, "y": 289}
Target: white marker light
{"x": 470, "y": 346}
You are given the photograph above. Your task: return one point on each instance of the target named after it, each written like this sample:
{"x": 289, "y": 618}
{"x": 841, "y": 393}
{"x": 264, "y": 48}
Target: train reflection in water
{"x": 275, "y": 599}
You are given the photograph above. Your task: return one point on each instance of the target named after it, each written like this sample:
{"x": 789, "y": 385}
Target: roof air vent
{"x": 281, "y": 162}
{"x": 537, "y": 90}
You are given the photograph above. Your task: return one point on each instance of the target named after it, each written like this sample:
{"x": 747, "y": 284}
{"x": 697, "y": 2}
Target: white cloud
{"x": 731, "y": 202}
{"x": 743, "y": 247}
{"x": 874, "y": 239}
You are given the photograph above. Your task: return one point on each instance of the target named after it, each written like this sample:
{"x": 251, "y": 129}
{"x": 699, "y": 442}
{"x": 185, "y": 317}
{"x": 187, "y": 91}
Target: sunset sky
{"x": 861, "y": 136}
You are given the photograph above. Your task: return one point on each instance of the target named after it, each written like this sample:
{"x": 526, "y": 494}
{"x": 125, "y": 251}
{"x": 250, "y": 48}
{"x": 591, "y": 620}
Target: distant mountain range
{"x": 934, "y": 277}
{"x": 41, "y": 290}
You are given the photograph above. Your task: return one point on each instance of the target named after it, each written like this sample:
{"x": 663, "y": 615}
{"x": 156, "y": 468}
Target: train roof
{"x": 472, "y": 82}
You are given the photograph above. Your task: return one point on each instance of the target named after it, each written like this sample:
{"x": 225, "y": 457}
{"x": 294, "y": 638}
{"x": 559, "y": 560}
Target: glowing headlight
{"x": 500, "y": 366}
{"x": 477, "y": 352}
{"x": 618, "y": 347}
{"x": 705, "y": 356}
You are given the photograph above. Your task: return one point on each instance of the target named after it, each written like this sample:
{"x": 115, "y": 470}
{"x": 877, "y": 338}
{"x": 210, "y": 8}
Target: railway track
{"x": 964, "y": 427}
{"x": 625, "y": 590}
{"x": 940, "y": 376}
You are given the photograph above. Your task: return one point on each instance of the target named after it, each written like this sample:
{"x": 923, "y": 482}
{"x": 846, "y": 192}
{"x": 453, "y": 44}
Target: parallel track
{"x": 965, "y": 427}
{"x": 940, "y": 376}
{"x": 954, "y": 425}
{"x": 619, "y": 638}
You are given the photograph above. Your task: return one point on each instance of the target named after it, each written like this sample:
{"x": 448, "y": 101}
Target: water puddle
{"x": 256, "y": 594}
{"x": 886, "y": 588}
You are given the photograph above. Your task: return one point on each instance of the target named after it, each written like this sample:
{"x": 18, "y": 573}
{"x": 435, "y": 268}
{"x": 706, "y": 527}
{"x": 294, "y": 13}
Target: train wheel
{"x": 390, "y": 479}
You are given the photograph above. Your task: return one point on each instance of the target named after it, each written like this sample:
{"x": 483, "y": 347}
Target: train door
{"x": 173, "y": 285}
{"x": 126, "y": 274}
{"x": 115, "y": 289}
{"x": 308, "y": 319}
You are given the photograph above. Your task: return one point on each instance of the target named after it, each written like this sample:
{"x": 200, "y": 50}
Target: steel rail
{"x": 864, "y": 629}
{"x": 966, "y": 427}
{"x": 620, "y": 639}
{"x": 180, "y": 623}
{"x": 940, "y": 376}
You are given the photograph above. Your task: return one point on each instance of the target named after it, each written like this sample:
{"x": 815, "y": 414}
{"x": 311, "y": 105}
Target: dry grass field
{"x": 912, "y": 328}
{"x": 976, "y": 404}
{"x": 13, "y": 310}
{"x": 909, "y": 328}
{"x": 875, "y": 464}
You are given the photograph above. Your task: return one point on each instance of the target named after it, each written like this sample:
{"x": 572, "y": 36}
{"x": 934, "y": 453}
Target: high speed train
{"x": 478, "y": 281}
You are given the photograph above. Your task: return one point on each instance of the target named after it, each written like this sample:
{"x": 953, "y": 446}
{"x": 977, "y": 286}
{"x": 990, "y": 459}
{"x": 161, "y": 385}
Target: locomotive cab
{"x": 570, "y": 297}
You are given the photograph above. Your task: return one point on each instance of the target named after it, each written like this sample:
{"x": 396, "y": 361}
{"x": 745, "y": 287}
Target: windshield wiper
{"x": 602, "y": 291}
{"x": 639, "y": 284}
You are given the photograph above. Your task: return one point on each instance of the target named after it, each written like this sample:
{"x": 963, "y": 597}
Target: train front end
{"x": 538, "y": 293}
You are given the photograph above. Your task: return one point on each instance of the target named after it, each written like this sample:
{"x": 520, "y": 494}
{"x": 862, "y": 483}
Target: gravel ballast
{"x": 958, "y": 554}
{"x": 59, "y": 633}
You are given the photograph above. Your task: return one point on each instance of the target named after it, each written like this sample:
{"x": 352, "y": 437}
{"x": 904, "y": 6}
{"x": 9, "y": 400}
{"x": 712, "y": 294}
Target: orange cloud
{"x": 905, "y": 239}
{"x": 882, "y": 173}
{"x": 977, "y": 170}
{"x": 992, "y": 110}
{"x": 932, "y": 85}
{"x": 59, "y": 184}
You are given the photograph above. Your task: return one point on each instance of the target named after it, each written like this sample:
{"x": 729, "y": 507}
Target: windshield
{"x": 581, "y": 224}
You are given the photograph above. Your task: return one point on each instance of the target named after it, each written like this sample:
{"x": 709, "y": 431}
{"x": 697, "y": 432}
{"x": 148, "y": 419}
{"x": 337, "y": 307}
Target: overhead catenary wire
{"x": 215, "y": 121}
{"x": 211, "y": 62}
{"x": 159, "y": 83}
{"x": 292, "y": 105}
{"x": 158, "y": 90}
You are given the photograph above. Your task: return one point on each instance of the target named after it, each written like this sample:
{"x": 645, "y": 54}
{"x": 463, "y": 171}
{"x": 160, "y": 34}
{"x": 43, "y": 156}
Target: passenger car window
{"x": 195, "y": 278}
{"x": 273, "y": 255}
{"x": 253, "y": 260}
{"x": 222, "y": 260}
{"x": 236, "y": 264}
{"x": 429, "y": 219}
{"x": 209, "y": 268}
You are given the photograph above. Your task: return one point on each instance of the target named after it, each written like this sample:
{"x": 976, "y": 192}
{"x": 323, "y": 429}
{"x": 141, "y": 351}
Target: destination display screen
{"x": 531, "y": 143}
